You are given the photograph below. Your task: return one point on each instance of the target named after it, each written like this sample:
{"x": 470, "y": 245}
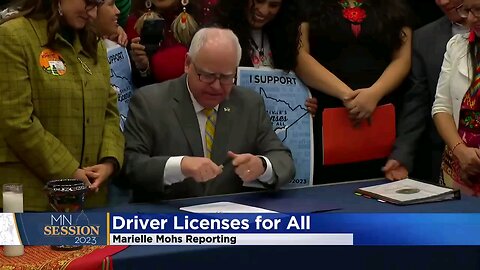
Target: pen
{"x": 225, "y": 162}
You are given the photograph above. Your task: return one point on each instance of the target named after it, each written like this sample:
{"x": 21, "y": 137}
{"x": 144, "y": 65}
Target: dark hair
{"x": 385, "y": 19}
{"x": 473, "y": 50}
{"x": 282, "y": 31}
{"x": 48, "y": 10}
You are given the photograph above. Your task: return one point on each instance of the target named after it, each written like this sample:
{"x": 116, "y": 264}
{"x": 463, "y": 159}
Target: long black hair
{"x": 473, "y": 52}
{"x": 386, "y": 19}
{"x": 282, "y": 31}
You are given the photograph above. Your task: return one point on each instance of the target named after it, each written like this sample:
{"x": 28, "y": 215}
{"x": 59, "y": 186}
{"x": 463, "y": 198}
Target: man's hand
{"x": 99, "y": 174}
{"x": 247, "y": 166}
{"x": 394, "y": 170}
{"x": 199, "y": 168}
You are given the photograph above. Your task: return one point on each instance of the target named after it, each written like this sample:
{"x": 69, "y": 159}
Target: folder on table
{"x": 409, "y": 191}
{"x": 344, "y": 143}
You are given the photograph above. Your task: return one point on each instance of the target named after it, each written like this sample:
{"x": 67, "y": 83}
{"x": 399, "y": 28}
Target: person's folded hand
{"x": 80, "y": 174}
{"x": 99, "y": 174}
{"x": 363, "y": 104}
{"x": 469, "y": 159}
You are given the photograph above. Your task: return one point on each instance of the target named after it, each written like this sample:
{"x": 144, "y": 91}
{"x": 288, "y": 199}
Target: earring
{"x": 148, "y": 4}
{"x": 184, "y": 26}
{"x": 60, "y": 11}
{"x": 148, "y": 15}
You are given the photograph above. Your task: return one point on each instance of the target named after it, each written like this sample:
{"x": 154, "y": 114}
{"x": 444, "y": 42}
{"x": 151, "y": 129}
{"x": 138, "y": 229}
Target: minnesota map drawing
{"x": 284, "y": 96}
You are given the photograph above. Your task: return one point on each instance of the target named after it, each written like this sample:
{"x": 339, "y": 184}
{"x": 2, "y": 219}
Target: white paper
{"x": 225, "y": 207}
{"x": 390, "y": 190}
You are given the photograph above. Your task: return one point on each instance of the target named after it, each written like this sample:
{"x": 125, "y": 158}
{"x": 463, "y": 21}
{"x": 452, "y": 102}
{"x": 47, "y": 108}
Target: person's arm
{"x": 442, "y": 112}
{"x": 398, "y": 68}
{"x": 364, "y": 101}
{"x": 314, "y": 74}
{"x": 442, "y": 109}
{"x": 447, "y": 129}
{"x": 22, "y": 131}
{"x": 415, "y": 112}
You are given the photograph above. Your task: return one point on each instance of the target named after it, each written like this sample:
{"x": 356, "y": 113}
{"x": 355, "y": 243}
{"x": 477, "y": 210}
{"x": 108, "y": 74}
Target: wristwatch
{"x": 264, "y": 163}
{"x": 144, "y": 73}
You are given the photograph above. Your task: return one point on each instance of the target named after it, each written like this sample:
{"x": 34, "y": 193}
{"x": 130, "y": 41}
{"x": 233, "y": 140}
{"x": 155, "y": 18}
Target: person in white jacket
{"x": 456, "y": 110}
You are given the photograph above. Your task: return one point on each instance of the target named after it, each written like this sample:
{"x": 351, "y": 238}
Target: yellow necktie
{"x": 210, "y": 130}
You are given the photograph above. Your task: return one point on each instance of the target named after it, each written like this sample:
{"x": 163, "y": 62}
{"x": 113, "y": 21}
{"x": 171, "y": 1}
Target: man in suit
{"x": 169, "y": 151}
{"x": 418, "y": 148}
{"x": 424, "y": 12}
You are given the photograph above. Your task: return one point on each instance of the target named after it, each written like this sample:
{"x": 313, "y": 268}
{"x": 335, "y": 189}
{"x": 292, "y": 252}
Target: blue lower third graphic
{"x": 241, "y": 229}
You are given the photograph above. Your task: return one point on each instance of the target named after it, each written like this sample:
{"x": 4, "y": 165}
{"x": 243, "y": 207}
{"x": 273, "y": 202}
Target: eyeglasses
{"x": 225, "y": 79}
{"x": 463, "y": 11}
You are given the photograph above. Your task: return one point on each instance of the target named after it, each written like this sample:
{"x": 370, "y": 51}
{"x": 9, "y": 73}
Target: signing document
{"x": 225, "y": 207}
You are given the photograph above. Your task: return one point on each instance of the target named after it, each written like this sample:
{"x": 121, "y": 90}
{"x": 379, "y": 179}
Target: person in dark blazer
{"x": 418, "y": 147}
{"x": 169, "y": 150}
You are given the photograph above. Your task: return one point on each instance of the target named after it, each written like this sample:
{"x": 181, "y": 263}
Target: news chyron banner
{"x": 84, "y": 229}
{"x": 284, "y": 95}
{"x": 220, "y": 229}
{"x": 162, "y": 229}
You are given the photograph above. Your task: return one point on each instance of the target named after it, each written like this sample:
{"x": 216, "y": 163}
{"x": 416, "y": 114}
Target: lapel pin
{"x": 226, "y": 109}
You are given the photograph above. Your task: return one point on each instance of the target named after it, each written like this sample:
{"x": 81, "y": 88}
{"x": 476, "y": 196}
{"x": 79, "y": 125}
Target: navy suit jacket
{"x": 416, "y": 130}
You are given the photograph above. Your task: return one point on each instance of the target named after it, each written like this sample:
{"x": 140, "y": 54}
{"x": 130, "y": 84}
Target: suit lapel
{"x": 223, "y": 131}
{"x": 464, "y": 66}
{"x": 186, "y": 116}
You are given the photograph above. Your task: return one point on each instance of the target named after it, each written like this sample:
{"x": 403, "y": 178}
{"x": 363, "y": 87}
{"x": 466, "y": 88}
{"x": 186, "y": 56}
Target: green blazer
{"x": 52, "y": 124}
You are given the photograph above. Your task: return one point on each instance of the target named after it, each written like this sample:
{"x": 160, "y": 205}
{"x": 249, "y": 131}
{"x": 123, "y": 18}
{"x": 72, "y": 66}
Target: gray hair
{"x": 205, "y": 34}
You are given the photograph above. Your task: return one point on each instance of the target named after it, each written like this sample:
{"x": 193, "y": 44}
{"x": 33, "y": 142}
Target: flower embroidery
{"x": 355, "y": 15}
